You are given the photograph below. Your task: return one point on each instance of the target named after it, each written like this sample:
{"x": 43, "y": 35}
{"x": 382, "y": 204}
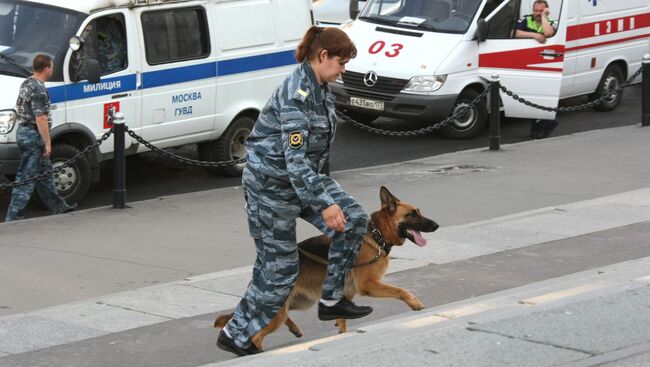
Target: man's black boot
{"x": 228, "y": 344}
{"x": 343, "y": 309}
{"x": 69, "y": 208}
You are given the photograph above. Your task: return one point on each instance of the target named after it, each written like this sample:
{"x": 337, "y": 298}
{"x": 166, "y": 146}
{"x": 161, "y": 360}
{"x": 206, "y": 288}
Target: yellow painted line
{"x": 305, "y": 346}
{"x": 423, "y": 321}
{"x": 645, "y": 279}
{"x": 553, "y": 296}
{"x": 466, "y": 310}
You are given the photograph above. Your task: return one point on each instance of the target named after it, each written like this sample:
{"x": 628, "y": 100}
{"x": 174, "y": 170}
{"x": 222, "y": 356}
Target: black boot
{"x": 343, "y": 309}
{"x": 69, "y": 208}
{"x": 228, "y": 344}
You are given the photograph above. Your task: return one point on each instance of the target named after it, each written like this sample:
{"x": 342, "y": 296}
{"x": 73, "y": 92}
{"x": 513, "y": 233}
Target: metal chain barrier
{"x": 60, "y": 168}
{"x": 581, "y": 107}
{"x": 192, "y": 162}
{"x": 422, "y": 131}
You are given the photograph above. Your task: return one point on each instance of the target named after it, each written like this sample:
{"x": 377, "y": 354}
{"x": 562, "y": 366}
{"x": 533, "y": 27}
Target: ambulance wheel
{"x": 230, "y": 146}
{"x": 361, "y": 117}
{"x": 612, "y": 78}
{"x": 470, "y": 123}
{"x": 74, "y": 181}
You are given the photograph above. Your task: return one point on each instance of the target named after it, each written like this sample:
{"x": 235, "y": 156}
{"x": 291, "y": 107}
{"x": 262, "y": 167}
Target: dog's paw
{"x": 297, "y": 333}
{"x": 417, "y": 307}
{"x": 415, "y": 304}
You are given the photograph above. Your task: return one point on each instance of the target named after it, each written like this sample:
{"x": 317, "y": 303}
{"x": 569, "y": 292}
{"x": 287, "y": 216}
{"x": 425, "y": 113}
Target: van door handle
{"x": 116, "y": 96}
{"x": 551, "y": 53}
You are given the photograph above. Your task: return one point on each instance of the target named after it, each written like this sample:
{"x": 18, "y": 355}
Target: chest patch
{"x": 296, "y": 139}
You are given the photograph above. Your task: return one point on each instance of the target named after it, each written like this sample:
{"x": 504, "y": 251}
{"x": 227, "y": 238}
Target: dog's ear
{"x": 388, "y": 200}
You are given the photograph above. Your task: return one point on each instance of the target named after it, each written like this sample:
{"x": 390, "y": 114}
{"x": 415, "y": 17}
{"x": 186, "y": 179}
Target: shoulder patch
{"x": 296, "y": 139}
{"x": 301, "y": 94}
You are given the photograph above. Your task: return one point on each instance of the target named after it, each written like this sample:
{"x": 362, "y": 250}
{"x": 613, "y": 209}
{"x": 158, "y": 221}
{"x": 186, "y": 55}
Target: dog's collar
{"x": 379, "y": 239}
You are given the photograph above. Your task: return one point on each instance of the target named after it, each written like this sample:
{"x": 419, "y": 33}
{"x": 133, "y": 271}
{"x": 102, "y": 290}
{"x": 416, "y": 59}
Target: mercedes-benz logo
{"x": 370, "y": 79}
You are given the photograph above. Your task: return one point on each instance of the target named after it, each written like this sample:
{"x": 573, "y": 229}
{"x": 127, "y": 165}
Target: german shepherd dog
{"x": 390, "y": 226}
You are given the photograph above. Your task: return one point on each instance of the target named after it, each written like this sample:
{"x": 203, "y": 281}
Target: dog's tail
{"x": 222, "y": 320}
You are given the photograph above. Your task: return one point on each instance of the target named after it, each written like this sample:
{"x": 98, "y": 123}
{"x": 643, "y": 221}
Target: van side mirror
{"x": 354, "y": 9}
{"x": 481, "y": 30}
{"x": 92, "y": 70}
{"x": 76, "y": 43}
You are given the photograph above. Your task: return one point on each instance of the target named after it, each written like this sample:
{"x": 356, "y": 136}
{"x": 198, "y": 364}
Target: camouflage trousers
{"x": 272, "y": 209}
{"x": 32, "y": 163}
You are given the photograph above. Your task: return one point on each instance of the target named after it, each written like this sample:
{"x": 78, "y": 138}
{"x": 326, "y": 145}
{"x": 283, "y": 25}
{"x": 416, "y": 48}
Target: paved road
{"x": 150, "y": 175}
{"x": 189, "y": 342}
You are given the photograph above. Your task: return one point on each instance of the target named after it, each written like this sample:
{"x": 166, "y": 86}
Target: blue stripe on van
{"x": 83, "y": 90}
{"x": 183, "y": 74}
{"x": 253, "y": 63}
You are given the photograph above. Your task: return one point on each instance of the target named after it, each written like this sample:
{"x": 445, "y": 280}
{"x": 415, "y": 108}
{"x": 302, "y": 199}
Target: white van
{"x": 424, "y": 59}
{"x": 333, "y": 13}
{"x": 180, "y": 71}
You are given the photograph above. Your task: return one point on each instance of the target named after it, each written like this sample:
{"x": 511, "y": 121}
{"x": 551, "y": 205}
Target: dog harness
{"x": 383, "y": 248}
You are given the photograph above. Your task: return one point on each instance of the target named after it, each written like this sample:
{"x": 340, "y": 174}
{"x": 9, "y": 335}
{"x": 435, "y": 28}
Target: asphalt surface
{"x": 150, "y": 175}
{"x": 189, "y": 342}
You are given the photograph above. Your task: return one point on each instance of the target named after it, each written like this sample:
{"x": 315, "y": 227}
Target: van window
{"x": 105, "y": 41}
{"x": 175, "y": 35}
{"x": 502, "y": 23}
{"x": 448, "y": 16}
{"x": 27, "y": 29}
{"x": 489, "y": 7}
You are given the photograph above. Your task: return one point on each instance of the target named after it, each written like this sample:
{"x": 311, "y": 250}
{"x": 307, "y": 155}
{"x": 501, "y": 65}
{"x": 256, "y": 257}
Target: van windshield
{"x": 28, "y": 29}
{"x": 446, "y": 16}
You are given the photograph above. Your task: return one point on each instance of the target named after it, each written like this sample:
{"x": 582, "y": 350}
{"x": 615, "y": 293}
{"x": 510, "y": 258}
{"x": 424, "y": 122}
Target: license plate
{"x": 367, "y": 103}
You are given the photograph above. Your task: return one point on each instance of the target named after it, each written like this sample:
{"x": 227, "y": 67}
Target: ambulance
{"x": 333, "y": 13}
{"x": 423, "y": 60}
{"x": 181, "y": 72}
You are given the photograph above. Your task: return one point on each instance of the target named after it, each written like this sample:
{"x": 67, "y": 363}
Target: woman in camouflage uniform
{"x": 286, "y": 150}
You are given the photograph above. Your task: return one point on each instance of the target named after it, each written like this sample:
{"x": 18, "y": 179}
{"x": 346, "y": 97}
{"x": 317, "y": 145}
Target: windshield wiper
{"x": 417, "y": 25}
{"x": 13, "y": 62}
{"x": 378, "y": 20}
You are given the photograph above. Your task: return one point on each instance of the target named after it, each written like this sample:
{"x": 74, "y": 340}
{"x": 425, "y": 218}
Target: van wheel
{"x": 469, "y": 124}
{"x": 74, "y": 181}
{"x": 230, "y": 146}
{"x": 612, "y": 78}
{"x": 361, "y": 117}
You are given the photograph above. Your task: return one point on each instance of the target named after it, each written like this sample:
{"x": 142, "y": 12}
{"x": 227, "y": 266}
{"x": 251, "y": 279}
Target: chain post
{"x": 495, "y": 114}
{"x": 645, "y": 94}
{"x": 119, "y": 179}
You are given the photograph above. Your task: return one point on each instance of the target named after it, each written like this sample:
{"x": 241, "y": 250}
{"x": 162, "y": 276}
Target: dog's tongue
{"x": 419, "y": 240}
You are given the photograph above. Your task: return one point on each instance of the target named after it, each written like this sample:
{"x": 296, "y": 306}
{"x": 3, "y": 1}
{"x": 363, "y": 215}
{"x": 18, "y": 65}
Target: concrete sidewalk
{"x": 596, "y": 317}
{"x": 100, "y": 271}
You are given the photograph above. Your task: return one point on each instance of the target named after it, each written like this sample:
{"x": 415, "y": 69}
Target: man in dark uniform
{"x": 537, "y": 25}
{"x": 33, "y": 138}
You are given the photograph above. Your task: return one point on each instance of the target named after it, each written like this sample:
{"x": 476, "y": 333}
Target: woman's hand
{"x": 334, "y": 218}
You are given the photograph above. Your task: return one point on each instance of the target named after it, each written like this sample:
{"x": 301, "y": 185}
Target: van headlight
{"x": 425, "y": 84}
{"x": 7, "y": 121}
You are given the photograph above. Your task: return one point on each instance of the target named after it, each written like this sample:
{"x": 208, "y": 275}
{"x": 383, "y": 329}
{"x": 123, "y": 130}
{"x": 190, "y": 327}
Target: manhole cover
{"x": 458, "y": 169}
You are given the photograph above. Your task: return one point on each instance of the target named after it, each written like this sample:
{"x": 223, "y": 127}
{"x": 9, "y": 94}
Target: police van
{"x": 424, "y": 60}
{"x": 181, "y": 72}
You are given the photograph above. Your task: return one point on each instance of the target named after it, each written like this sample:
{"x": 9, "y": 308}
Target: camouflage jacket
{"x": 291, "y": 139}
{"x": 33, "y": 101}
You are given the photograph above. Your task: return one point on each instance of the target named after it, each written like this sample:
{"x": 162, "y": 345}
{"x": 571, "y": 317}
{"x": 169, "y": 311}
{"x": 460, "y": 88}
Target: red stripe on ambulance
{"x": 521, "y": 59}
{"x": 610, "y": 26}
